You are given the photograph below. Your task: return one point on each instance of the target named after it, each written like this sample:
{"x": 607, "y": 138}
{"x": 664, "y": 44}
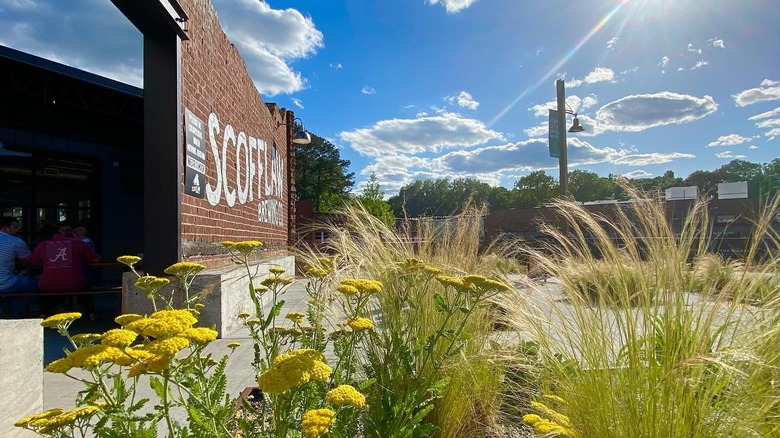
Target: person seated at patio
{"x": 13, "y": 252}
{"x": 62, "y": 259}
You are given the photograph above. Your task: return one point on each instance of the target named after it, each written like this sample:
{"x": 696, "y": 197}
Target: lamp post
{"x": 576, "y": 127}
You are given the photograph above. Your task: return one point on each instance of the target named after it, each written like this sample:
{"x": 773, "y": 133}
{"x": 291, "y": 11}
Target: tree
{"x": 586, "y": 186}
{"x": 373, "y": 200}
{"x": 321, "y": 175}
{"x": 534, "y": 189}
{"x": 705, "y": 181}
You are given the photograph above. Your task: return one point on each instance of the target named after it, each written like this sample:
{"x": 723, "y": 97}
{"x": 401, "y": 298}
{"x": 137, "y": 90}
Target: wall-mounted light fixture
{"x": 301, "y": 136}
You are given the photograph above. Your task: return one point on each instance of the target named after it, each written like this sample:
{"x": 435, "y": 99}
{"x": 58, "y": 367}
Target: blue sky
{"x": 460, "y": 88}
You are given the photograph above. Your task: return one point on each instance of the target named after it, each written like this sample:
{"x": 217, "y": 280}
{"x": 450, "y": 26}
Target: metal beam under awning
{"x": 152, "y": 17}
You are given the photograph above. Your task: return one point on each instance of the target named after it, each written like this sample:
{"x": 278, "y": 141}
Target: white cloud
{"x": 336, "y": 65}
{"x": 600, "y": 74}
{"x": 664, "y": 63}
{"x": 612, "y": 42}
{"x": 718, "y": 44}
{"x": 752, "y": 146}
{"x": 728, "y": 155}
{"x": 730, "y": 140}
{"x": 699, "y": 65}
{"x": 453, "y": 6}
{"x": 639, "y": 112}
{"x": 464, "y": 100}
{"x": 768, "y": 123}
{"x": 765, "y": 115}
{"x": 269, "y": 39}
{"x": 297, "y": 102}
{"x": 639, "y": 173}
{"x": 367, "y": 90}
{"x": 538, "y": 131}
{"x": 574, "y": 102}
{"x": 768, "y": 90}
{"x": 693, "y": 49}
{"x": 572, "y": 83}
{"x": 423, "y": 134}
{"x": 91, "y": 35}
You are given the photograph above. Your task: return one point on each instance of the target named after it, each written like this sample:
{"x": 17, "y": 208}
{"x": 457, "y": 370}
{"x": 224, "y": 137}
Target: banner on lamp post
{"x": 554, "y": 135}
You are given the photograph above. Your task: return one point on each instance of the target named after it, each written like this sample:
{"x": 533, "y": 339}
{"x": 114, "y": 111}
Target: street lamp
{"x": 300, "y": 136}
{"x": 576, "y": 127}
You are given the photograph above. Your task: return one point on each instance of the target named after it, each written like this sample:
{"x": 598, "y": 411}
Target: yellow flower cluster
{"x": 53, "y": 419}
{"x": 296, "y": 317}
{"x": 119, "y": 338}
{"x": 315, "y": 272}
{"x": 244, "y": 315}
{"x": 277, "y": 270}
{"x": 360, "y": 323}
{"x": 412, "y": 264}
{"x": 446, "y": 280}
{"x": 233, "y": 345}
{"x": 363, "y": 285}
{"x": 346, "y": 395}
{"x": 128, "y": 260}
{"x": 89, "y": 356}
{"x": 245, "y": 247}
{"x": 151, "y": 284}
{"x": 432, "y": 270}
{"x": 276, "y": 279}
{"x": 163, "y": 323}
{"x": 184, "y": 269}
{"x": 127, "y": 318}
{"x": 347, "y": 290}
{"x": 484, "y": 284}
{"x": 292, "y": 369}
{"x": 550, "y": 423}
{"x": 199, "y": 335}
{"x": 60, "y": 320}
{"x": 317, "y": 422}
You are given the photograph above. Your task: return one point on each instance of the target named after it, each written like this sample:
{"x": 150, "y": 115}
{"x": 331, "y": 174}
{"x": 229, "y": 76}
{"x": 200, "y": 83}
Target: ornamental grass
{"x": 644, "y": 333}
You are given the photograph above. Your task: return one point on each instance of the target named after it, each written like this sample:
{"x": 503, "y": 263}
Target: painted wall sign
{"x": 194, "y": 155}
{"x": 259, "y": 171}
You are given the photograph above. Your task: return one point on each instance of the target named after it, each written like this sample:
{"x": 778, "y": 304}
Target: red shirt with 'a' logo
{"x": 62, "y": 260}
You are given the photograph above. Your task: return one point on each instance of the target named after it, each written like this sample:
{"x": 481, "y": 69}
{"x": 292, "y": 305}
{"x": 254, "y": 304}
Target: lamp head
{"x": 301, "y": 137}
{"x": 576, "y": 127}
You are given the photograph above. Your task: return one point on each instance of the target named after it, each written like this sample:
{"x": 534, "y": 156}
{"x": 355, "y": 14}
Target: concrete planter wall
{"x": 225, "y": 293}
{"x": 21, "y": 379}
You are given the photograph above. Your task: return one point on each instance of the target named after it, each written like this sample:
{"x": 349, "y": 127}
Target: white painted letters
{"x": 270, "y": 208}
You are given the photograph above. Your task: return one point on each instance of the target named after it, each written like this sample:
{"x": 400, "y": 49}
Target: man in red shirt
{"x": 62, "y": 259}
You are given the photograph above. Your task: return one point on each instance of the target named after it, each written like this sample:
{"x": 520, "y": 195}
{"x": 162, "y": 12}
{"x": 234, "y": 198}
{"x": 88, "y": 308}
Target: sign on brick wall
{"x": 257, "y": 165}
{"x": 194, "y": 156}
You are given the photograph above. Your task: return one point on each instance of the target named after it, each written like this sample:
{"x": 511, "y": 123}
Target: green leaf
{"x": 441, "y": 303}
{"x": 156, "y": 384}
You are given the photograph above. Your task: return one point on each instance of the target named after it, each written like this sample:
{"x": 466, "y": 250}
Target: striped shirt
{"x": 11, "y": 249}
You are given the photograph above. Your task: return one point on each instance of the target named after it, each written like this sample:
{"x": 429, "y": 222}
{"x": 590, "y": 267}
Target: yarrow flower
{"x": 168, "y": 346}
{"x": 53, "y": 419}
{"x": 296, "y": 317}
{"x": 347, "y": 289}
{"x": 119, "y": 338}
{"x": 277, "y": 270}
{"x": 432, "y": 270}
{"x": 346, "y": 395}
{"x": 151, "y": 284}
{"x": 446, "y": 280}
{"x": 243, "y": 315}
{"x": 128, "y": 260}
{"x": 360, "y": 323}
{"x": 246, "y": 247}
{"x": 412, "y": 264}
{"x": 316, "y": 272}
{"x": 546, "y": 427}
{"x": 484, "y": 284}
{"x": 363, "y": 285}
{"x": 317, "y": 422}
{"x": 127, "y": 318}
{"x": 184, "y": 269}
{"x": 199, "y": 335}
{"x": 276, "y": 279}
{"x": 233, "y": 345}
{"x": 292, "y": 369}
{"x": 61, "y": 320}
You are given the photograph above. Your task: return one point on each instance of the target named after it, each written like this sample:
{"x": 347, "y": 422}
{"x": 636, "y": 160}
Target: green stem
{"x": 166, "y": 403}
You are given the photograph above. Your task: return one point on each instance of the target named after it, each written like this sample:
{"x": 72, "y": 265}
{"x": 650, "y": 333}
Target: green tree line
{"x": 323, "y": 177}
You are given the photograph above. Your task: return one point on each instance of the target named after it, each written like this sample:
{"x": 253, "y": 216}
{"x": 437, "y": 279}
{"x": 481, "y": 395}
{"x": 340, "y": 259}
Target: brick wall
{"x": 217, "y": 88}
